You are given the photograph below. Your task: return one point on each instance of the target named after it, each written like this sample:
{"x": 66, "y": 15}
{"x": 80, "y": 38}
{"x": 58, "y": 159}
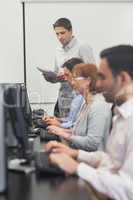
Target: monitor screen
{"x": 14, "y": 110}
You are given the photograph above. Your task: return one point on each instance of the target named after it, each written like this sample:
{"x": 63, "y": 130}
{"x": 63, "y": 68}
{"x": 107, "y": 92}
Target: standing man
{"x": 109, "y": 172}
{"x": 71, "y": 47}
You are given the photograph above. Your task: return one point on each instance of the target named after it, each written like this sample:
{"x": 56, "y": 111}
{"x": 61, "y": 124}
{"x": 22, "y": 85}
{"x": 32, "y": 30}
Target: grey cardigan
{"x": 91, "y": 132}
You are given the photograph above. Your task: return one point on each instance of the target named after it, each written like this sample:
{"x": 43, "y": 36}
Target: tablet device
{"x": 48, "y": 74}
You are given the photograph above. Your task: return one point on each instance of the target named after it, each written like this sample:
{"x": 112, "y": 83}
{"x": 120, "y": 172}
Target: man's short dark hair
{"x": 69, "y": 64}
{"x": 119, "y": 58}
{"x": 63, "y": 22}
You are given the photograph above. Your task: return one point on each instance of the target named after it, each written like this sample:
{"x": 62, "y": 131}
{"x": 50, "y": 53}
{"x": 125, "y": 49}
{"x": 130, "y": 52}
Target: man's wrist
{"x": 75, "y": 168}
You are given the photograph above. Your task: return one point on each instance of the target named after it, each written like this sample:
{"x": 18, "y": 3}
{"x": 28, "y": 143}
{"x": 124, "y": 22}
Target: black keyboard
{"x": 43, "y": 165}
{"x": 45, "y": 136}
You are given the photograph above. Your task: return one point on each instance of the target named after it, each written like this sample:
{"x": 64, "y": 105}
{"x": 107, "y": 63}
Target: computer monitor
{"x": 14, "y": 112}
{"x": 3, "y": 178}
{"x": 10, "y": 137}
{"x": 26, "y": 105}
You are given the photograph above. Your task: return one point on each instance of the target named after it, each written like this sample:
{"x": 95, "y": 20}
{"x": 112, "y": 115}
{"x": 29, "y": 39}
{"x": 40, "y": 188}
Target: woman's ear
{"x": 88, "y": 83}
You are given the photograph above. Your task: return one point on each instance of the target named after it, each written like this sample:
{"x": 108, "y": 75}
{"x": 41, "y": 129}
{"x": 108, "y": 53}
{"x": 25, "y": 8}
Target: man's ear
{"x": 125, "y": 78}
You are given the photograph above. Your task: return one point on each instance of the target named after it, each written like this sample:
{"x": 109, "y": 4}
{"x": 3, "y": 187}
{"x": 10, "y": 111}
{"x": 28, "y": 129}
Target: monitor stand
{"x": 24, "y": 165}
{"x": 20, "y": 165}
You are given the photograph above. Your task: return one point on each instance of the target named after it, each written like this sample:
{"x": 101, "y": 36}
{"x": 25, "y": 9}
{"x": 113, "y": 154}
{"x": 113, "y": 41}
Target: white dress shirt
{"x": 111, "y": 173}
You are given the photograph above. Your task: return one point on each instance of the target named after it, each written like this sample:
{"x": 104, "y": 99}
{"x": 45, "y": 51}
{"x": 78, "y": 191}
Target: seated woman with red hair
{"x": 93, "y": 122}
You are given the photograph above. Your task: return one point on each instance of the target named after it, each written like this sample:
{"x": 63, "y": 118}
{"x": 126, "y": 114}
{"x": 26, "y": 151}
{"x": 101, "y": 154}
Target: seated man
{"x": 77, "y": 101}
{"x": 109, "y": 172}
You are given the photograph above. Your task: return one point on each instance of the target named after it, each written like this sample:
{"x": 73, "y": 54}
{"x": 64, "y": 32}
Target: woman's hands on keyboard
{"x": 59, "y": 131}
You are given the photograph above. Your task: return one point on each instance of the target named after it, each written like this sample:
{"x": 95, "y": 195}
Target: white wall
{"x": 11, "y": 45}
{"x": 99, "y": 24}
{"x": 11, "y": 52}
